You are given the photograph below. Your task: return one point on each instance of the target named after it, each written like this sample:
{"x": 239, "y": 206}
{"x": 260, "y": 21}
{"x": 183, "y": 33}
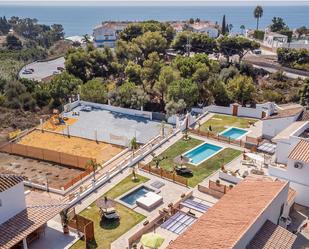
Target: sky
{"x": 155, "y": 2}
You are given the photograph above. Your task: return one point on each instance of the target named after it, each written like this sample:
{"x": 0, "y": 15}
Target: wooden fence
{"x": 164, "y": 174}
{"x": 77, "y": 179}
{"x": 212, "y": 135}
{"x": 215, "y": 189}
{"x": 84, "y": 226}
{"x": 45, "y": 155}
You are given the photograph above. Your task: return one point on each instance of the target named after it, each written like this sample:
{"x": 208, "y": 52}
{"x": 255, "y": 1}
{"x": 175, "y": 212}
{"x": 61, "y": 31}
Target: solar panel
{"x": 198, "y": 206}
{"x": 178, "y": 222}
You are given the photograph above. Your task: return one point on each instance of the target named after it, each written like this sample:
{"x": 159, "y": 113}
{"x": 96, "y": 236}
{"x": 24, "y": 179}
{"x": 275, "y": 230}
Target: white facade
{"x": 272, "y": 127}
{"x": 272, "y": 212}
{"x": 274, "y": 40}
{"x": 212, "y": 32}
{"x": 286, "y": 144}
{"x": 297, "y": 176}
{"x": 12, "y": 201}
{"x": 107, "y": 34}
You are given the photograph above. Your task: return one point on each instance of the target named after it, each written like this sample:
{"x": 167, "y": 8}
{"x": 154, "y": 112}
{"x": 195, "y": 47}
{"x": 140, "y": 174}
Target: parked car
{"x": 27, "y": 71}
{"x": 257, "y": 51}
{"x": 60, "y": 69}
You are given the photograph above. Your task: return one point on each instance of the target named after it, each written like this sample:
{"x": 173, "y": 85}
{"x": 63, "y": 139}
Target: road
{"x": 42, "y": 69}
{"x": 270, "y": 64}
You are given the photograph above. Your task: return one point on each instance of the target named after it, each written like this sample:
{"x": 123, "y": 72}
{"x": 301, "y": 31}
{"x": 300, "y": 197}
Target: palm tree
{"x": 242, "y": 28}
{"x": 258, "y": 13}
{"x": 92, "y": 164}
{"x": 133, "y": 144}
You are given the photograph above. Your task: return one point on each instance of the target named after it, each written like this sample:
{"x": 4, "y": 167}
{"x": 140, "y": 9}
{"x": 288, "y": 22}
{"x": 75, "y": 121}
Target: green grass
{"x": 106, "y": 233}
{"x": 220, "y": 122}
{"x": 204, "y": 169}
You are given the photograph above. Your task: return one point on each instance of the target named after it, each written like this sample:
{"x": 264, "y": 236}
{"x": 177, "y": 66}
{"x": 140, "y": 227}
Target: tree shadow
{"x": 109, "y": 224}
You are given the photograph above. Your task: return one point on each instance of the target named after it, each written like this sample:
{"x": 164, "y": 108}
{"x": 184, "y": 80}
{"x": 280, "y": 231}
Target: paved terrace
{"x": 113, "y": 127}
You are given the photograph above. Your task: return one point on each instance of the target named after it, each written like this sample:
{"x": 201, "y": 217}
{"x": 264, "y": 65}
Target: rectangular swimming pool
{"x": 134, "y": 195}
{"x": 234, "y": 133}
{"x": 201, "y": 153}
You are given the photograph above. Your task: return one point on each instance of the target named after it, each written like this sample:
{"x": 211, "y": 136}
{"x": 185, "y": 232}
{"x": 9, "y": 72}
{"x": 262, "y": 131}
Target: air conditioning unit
{"x": 298, "y": 165}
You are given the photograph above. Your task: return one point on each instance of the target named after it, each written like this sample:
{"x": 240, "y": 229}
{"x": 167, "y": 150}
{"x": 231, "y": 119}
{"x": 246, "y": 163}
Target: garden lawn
{"x": 221, "y": 122}
{"x": 204, "y": 169}
{"x": 106, "y": 233}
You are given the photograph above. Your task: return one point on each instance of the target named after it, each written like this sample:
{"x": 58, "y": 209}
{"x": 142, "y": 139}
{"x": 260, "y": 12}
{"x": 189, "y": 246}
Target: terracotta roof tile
{"x": 304, "y": 116}
{"x": 8, "y": 181}
{"x": 40, "y": 209}
{"x": 272, "y": 236}
{"x": 225, "y": 223}
{"x": 300, "y": 152}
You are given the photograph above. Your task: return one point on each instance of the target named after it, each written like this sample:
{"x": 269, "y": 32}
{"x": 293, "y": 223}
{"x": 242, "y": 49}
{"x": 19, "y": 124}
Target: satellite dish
{"x": 298, "y": 165}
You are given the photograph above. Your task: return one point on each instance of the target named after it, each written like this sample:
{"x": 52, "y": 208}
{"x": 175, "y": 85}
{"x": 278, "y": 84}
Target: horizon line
{"x": 162, "y": 3}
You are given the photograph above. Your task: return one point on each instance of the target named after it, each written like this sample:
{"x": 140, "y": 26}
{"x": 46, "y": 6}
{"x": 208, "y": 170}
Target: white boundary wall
{"x": 242, "y": 111}
{"x": 133, "y": 112}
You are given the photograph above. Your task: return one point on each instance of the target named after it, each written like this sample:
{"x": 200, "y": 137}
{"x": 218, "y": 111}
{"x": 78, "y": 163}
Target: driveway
{"x": 42, "y": 69}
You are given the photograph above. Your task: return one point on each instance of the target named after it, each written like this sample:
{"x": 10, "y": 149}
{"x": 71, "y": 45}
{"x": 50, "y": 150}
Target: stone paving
{"x": 53, "y": 238}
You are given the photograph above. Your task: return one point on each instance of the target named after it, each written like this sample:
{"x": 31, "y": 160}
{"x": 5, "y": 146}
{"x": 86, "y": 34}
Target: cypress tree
{"x": 223, "y": 27}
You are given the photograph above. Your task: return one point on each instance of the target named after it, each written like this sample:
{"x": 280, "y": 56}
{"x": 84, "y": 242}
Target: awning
{"x": 255, "y": 157}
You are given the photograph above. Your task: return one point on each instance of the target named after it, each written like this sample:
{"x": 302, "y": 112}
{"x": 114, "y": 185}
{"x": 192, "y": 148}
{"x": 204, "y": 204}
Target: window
{"x": 0, "y": 203}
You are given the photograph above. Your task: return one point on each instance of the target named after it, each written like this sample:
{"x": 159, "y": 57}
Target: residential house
{"x": 106, "y": 34}
{"x": 211, "y": 29}
{"x": 274, "y": 40}
{"x": 281, "y": 118}
{"x": 23, "y": 215}
{"x": 245, "y": 217}
{"x": 292, "y": 159}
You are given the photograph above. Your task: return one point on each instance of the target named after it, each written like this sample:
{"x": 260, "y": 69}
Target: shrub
{"x": 259, "y": 34}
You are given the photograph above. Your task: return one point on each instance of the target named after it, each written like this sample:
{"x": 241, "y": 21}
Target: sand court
{"x": 101, "y": 151}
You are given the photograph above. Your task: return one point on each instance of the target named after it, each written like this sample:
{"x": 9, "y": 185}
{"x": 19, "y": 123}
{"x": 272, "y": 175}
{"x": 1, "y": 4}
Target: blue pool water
{"x": 234, "y": 133}
{"x": 134, "y": 195}
{"x": 202, "y": 152}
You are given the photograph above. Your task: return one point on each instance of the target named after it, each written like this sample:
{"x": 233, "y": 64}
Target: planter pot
{"x": 66, "y": 230}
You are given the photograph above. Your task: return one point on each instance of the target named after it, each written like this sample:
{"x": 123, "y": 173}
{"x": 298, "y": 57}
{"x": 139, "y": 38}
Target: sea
{"x": 80, "y": 20}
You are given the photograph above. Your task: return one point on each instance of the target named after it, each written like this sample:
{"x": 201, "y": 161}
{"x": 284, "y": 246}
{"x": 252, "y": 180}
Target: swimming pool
{"x": 134, "y": 195}
{"x": 234, "y": 133}
{"x": 202, "y": 152}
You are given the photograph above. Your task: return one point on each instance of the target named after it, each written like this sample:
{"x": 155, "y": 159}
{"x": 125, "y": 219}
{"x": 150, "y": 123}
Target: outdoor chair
{"x": 183, "y": 170}
{"x": 110, "y": 214}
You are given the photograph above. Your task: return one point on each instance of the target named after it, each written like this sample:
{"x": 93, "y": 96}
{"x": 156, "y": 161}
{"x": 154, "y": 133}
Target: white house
{"x": 106, "y": 34}
{"x": 23, "y": 215}
{"x": 274, "y": 40}
{"x": 292, "y": 156}
{"x": 209, "y": 28}
{"x": 281, "y": 118}
{"x": 9, "y": 206}
{"x": 243, "y": 218}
